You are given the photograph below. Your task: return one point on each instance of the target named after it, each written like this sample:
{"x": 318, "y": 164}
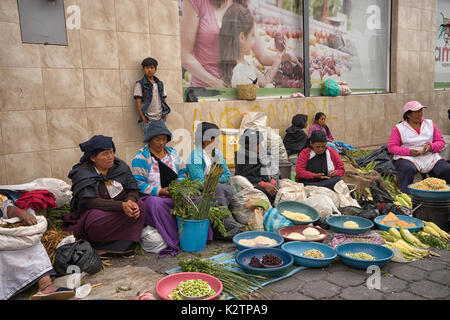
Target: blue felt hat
{"x": 156, "y": 128}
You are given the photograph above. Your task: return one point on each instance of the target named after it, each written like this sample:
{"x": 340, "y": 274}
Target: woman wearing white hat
{"x": 416, "y": 143}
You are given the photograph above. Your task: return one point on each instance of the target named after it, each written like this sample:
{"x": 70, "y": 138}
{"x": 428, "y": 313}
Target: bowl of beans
{"x": 269, "y": 262}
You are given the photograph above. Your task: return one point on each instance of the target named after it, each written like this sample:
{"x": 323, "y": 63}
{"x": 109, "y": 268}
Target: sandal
{"x": 60, "y": 294}
{"x": 110, "y": 255}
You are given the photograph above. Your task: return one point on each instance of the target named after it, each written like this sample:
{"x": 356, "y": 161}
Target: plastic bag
{"x": 67, "y": 240}
{"x": 383, "y": 160}
{"x": 79, "y": 254}
{"x": 151, "y": 240}
{"x": 323, "y": 205}
{"x": 254, "y": 120}
{"x": 59, "y": 188}
{"x": 369, "y": 210}
{"x": 256, "y": 220}
{"x": 351, "y": 210}
{"x": 379, "y": 193}
{"x": 243, "y": 190}
{"x": 344, "y": 89}
{"x": 274, "y": 221}
{"x": 318, "y": 191}
{"x": 290, "y": 190}
{"x": 343, "y": 193}
{"x": 329, "y": 87}
{"x": 192, "y": 93}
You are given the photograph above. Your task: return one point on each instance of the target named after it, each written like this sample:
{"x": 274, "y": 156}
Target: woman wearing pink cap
{"x": 416, "y": 143}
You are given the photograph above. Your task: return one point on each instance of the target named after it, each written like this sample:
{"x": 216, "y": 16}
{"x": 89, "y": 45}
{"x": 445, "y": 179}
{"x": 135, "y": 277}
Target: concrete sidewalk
{"x": 427, "y": 279}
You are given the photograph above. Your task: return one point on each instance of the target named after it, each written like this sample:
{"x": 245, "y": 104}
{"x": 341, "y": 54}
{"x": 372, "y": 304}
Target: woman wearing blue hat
{"x": 154, "y": 167}
{"x": 105, "y": 206}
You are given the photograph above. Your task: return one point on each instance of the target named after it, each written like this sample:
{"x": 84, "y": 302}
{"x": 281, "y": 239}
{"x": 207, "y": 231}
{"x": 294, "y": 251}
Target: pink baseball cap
{"x": 413, "y": 106}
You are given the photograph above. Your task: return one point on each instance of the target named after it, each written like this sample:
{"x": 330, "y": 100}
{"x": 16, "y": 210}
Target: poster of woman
{"x": 230, "y": 42}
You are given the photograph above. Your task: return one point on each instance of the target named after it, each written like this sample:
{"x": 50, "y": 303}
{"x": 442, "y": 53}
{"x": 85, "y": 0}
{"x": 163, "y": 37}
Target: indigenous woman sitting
{"x": 319, "y": 124}
{"x": 416, "y": 143}
{"x": 200, "y": 161}
{"x": 254, "y": 162}
{"x": 105, "y": 206}
{"x": 295, "y": 139}
{"x": 154, "y": 167}
{"x": 318, "y": 164}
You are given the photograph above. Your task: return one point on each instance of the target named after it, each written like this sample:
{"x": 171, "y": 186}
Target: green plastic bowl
{"x": 299, "y": 207}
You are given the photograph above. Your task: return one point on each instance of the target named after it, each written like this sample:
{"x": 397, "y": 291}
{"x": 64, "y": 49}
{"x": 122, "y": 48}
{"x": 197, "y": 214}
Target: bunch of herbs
{"x": 192, "y": 204}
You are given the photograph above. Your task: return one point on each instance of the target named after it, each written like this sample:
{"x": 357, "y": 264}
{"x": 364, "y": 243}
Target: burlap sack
{"x": 360, "y": 180}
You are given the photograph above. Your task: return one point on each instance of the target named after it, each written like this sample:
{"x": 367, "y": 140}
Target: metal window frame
{"x": 306, "y": 64}
{"x": 33, "y": 29}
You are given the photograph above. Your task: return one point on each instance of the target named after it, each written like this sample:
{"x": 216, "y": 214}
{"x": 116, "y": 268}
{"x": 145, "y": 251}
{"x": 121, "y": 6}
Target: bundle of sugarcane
{"x": 51, "y": 239}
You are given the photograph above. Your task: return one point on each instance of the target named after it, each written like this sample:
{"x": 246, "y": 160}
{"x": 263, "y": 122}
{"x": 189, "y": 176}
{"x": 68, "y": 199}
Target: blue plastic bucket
{"x": 193, "y": 234}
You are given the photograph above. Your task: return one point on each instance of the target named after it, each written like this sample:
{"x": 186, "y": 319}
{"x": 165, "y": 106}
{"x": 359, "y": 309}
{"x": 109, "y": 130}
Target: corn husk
{"x": 51, "y": 239}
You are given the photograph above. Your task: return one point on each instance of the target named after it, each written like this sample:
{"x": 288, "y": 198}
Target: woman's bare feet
{"x": 46, "y": 285}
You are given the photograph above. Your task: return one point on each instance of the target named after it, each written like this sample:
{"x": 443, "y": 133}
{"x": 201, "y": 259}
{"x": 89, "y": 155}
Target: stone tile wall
{"x": 54, "y": 97}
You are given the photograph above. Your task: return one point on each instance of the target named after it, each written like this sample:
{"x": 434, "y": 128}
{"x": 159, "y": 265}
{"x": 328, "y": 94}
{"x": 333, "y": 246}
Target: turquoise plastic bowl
{"x": 299, "y": 207}
{"x": 297, "y": 248}
{"x": 243, "y": 259}
{"x": 381, "y": 254}
{"x": 253, "y": 234}
{"x": 429, "y": 193}
{"x": 336, "y": 224}
{"x": 417, "y": 222}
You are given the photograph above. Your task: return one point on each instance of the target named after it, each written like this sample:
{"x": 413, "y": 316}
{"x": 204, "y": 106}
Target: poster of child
{"x": 269, "y": 51}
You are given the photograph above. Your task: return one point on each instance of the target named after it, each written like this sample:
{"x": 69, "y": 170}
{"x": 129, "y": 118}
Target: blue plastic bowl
{"x": 299, "y": 207}
{"x": 243, "y": 259}
{"x": 298, "y": 248}
{"x": 381, "y": 254}
{"x": 253, "y": 234}
{"x": 336, "y": 224}
{"x": 430, "y": 194}
{"x": 417, "y": 222}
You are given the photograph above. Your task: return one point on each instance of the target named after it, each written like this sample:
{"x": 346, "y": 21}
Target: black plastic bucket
{"x": 435, "y": 210}
{"x": 285, "y": 169}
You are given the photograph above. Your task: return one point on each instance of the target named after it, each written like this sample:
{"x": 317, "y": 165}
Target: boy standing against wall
{"x": 150, "y": 95}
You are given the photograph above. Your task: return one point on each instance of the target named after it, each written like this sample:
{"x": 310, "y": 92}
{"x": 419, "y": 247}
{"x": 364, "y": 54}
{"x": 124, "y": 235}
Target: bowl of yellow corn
{"x": 431, "y": 188}
{"x": 297, "y": 212}
{"x": 361, "y": 255}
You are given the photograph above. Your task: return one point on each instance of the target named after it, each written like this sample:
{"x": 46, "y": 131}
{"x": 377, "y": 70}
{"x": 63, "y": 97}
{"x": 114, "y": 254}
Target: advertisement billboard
{"x": 442, "y": 51}
{"x": 219, "y": 50}
{"x": 349, "y": 41}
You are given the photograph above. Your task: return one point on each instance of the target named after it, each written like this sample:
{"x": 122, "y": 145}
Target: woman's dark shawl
{"x": 85, "y": 181}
